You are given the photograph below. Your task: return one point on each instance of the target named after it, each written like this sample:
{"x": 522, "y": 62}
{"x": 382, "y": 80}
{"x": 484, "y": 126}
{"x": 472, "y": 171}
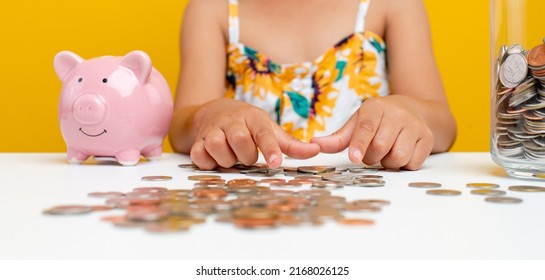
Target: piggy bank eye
{"x": 80, "y": 80}
{"x": 104, "y": 80}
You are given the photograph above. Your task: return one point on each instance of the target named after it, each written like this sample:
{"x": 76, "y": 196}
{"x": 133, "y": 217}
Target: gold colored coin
{"x": 488, "y": 192}
{"x": 444, "y": 192}
{"x": 482, "y": 185}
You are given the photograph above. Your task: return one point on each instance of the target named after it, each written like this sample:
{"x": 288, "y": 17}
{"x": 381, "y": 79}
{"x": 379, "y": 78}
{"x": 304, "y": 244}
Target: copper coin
{"x": 254, "y": 223}
{"x": 202, "y": 177}
{"x": 105, "y": 194}
{"x": 314, "y": 193}
{"x": 156, "y": 178}
{"x": 241, "y": 183}
{"x": 374, "y": 202}
{"x": 113, "y": 219}
{"x": 69, "y": 210}
{"x": 102, "y": 208}
{"x": 210, "y": 193}
{"x": 254, "y": 213}
{"x": 150, "y": 190}
{"x": 536, "y": 57}
{"x": 355, "y": 222}
{"x": 361, "y": 207}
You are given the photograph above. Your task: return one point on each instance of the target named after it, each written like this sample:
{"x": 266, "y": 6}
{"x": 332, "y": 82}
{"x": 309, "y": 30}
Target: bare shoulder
{"x": 209, "y": 12}
{"x": 404, "y": 8}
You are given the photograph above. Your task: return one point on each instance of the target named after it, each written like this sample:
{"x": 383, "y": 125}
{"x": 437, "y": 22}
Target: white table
{"x": 414, "y": 226}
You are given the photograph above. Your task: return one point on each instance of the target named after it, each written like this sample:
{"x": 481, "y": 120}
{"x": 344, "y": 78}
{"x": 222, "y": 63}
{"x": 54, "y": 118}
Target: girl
{"x": 308, "y": 76}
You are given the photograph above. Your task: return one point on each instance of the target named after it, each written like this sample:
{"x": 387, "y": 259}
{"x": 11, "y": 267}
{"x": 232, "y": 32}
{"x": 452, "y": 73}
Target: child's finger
{"x": 369, "y": 119}
{"x": 217, "y": 147}
{"x": 265, "y": 139}
{"x": 422, "y": 150}
{"x": 200, "y": 156}
{"x": 339, "y": 140}
{"x": 294, "y": 148}
{"x": 402, "y": 150}
{"x": 241, "y": 142}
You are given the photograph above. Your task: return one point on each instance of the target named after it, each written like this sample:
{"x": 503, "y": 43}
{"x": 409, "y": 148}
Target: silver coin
{"x": 503, "y": 199}
{"x": 424, "y": 185}
{"x": 526, "y": 189}
{"x": 513, "y": 70}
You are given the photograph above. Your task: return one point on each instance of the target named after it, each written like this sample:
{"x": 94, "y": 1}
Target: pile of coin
{"x": 245, "y": 202}
{"x": 520, "y": 103}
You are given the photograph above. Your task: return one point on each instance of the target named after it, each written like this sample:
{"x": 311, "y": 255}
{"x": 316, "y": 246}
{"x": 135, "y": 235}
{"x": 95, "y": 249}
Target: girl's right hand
{"x": 231, "y": 131}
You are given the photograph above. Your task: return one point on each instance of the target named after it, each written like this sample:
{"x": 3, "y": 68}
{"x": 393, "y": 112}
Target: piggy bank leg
{"x": 75, "y": 157}
{"x": 153, "y": 152}
{"x": 128, "y": 157}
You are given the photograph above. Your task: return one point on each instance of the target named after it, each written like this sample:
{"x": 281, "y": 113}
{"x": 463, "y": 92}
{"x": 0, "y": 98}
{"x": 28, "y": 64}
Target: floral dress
{"x": 310, "y": 98}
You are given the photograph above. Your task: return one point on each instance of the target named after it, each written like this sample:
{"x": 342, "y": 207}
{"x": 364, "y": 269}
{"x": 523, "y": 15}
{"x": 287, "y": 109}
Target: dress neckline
{"x": 316, "y": 61}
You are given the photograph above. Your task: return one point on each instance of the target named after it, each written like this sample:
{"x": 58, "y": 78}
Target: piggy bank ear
{"x": 65, "y": 62}
{"x": 138, "y": 62}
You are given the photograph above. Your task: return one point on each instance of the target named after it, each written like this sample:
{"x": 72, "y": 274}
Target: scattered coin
{"x": 355, "y": 222}
{"x": 526, "y": 189}
{"x": 156, "y": 178}
{"x": 444, "y": 192}
{"x": 488, "y": 192}
{"x": 482, "y": 185}
{"x": 317, "y": 169}
{"x": 202, "y": 177}
{"x": 69, "y": 210}
{"x": 425, "y": 185}
{"x": 503, "y": 199}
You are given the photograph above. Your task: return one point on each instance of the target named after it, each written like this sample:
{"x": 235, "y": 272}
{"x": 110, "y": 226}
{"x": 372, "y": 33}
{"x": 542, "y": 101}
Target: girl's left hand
{"x": 384, "y": 130}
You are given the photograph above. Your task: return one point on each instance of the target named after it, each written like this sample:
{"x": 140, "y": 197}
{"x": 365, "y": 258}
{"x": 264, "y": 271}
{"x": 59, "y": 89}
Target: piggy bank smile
{"x": 92, "y": 135}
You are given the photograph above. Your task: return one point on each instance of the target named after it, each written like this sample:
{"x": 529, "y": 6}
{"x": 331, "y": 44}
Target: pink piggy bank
{"x": 117, "y": 107}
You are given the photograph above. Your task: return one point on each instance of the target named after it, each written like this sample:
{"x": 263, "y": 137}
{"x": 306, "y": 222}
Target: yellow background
{"x": 32, "y": 32}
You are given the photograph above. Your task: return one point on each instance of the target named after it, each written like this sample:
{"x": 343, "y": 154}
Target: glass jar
{"x": 517, "y": 120}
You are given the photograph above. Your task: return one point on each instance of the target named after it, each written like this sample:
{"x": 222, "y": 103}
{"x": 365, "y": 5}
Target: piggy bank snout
{"x": 89, "y": 109}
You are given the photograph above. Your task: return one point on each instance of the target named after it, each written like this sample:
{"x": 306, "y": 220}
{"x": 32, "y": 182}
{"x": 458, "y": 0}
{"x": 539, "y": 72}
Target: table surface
{"x": 414, "y": 226}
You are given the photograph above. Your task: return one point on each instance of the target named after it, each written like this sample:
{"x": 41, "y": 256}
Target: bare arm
{"x": 402, "y": 129}
{"x": 214, "y": 130}
{"x": 413, "y": 70}
{"x": 203, "y": 63}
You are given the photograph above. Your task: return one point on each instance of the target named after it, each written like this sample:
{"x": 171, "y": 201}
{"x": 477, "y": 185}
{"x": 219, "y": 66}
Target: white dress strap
{"x": 234, "y": 26}
{"x": 362, "y": 13}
